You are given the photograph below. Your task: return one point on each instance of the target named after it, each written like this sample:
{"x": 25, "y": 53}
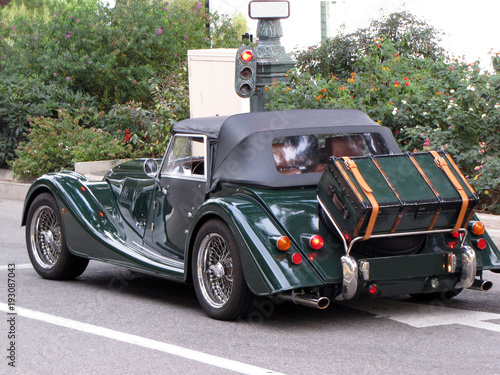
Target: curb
{"x": 15, "y": 191}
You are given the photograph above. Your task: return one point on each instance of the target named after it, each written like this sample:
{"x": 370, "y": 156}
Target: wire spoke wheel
{"x": 215, "y": 270}
{"x": 218, "y": 274}
{"x": 46, "y": 237}
{"x": 46, "y": 244}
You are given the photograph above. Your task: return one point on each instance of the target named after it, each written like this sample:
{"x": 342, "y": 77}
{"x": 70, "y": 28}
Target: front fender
{"x": 266, "y": 269}
{"x": 92, "y": 223}
{"x": 76, "y": 194}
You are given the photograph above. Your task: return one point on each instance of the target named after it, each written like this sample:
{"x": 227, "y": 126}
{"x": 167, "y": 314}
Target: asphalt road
{"x": 109, "y": 321}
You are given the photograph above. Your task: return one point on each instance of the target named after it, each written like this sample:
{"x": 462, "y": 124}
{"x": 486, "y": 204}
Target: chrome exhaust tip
{"x": 481, "y": 285}
{"x": 309, "y": 300}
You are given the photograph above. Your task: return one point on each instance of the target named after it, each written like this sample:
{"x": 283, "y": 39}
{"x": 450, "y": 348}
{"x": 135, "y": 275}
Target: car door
{"x": 181, "y": 190}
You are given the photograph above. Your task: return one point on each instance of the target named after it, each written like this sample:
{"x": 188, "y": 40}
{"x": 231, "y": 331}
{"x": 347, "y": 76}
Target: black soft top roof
{"x": 242, "y": 143}
{"x": 239, "y": 126}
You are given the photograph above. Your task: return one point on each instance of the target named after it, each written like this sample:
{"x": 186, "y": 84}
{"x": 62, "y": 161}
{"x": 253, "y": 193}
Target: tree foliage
{"x": 338, "y": 56}
{"x": 428, "y": 104}
{"x": 111, "y": 53}
{"x": 35, "y": 8}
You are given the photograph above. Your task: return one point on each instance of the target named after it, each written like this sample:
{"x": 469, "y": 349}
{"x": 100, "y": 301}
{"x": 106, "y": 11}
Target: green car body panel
{"x": 254, "y": 215}
{"x": 127, "y": 220}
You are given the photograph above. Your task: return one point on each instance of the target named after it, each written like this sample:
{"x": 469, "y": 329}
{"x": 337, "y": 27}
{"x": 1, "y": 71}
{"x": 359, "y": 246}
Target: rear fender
{"x": 266, "y": 269}
{"x": 489, "y": 258}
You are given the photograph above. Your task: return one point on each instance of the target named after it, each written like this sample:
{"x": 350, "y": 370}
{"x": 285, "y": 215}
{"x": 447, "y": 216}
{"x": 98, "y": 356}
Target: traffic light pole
{"x": 273, "y": 63}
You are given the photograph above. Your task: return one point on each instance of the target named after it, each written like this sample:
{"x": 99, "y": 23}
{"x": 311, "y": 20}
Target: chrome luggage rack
{"x": 348, "y": 246}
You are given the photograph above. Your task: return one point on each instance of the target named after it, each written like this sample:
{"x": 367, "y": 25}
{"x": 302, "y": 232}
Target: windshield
{"x": 309, "y": 153}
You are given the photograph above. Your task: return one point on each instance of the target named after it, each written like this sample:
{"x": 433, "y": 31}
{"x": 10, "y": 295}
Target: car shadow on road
{"x": 112, "y": 280}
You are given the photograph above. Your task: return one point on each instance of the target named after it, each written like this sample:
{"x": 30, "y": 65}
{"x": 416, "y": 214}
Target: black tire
{"x": 46, "y": 244}
{"x": 442, "y": 296}
{"x": 217, "y": 273}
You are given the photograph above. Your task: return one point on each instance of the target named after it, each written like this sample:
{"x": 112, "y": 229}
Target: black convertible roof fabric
{"x": 241, "y": 144}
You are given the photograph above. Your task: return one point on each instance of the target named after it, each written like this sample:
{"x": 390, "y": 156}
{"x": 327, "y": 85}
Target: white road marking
{"x": 422, "y": 316}
{"x": 18, "y": 266}
{"x": 179, "y": 351}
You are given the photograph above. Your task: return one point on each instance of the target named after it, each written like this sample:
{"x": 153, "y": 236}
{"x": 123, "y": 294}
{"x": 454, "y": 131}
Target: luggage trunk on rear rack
{"x": 390, "y": 194}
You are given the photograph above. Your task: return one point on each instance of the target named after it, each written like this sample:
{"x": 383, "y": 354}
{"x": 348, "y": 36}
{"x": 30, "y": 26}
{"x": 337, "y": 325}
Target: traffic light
{"x": 246, "y": 64}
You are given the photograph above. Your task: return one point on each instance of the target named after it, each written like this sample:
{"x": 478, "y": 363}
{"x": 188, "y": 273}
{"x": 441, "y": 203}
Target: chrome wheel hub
{"x": 217, "y": 269}
{"x": 49, "y": 237}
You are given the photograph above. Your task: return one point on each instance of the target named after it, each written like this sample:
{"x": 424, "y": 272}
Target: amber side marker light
{"x": 283, "y": 243}
{"x": 477, "y": 227}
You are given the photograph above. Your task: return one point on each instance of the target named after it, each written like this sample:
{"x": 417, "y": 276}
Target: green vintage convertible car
{"x": 277, "y": 204}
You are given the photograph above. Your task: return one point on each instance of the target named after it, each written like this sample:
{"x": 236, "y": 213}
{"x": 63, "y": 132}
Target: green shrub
{"x": 147, "y": 128}
{"x": 24, "y": 98}
{"x": 55, "y": 144}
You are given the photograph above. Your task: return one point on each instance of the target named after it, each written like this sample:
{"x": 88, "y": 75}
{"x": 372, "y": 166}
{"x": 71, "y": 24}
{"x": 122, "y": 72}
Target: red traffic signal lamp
{"x": 246, "y": 66}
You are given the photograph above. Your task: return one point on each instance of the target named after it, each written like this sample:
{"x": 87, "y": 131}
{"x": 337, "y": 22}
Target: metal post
{"x": 273, "y": 62}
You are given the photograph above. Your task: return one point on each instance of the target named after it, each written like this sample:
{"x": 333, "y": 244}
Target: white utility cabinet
{"x": 211, "y": 83}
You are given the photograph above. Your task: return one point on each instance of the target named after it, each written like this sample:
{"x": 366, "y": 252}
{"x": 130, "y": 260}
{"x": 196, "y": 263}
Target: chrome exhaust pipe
{"x": 481, "y": 285}
{"x": 309, "y": 300}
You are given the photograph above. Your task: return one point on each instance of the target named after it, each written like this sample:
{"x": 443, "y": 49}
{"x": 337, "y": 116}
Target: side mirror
{"x": 151, "y": 168}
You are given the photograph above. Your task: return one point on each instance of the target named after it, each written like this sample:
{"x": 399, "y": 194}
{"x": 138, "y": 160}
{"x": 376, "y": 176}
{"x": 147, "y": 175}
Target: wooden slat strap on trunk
{"x": 441, "y": 163}
{"x": 351, "y": 165}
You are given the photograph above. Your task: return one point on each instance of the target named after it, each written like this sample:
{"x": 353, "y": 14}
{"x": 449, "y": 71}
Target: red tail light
{"x": 480, "y": 243}
{"x": 296, "y": 258}
{"x": 373, "y": 289}
{"x": 316, "y": 242}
